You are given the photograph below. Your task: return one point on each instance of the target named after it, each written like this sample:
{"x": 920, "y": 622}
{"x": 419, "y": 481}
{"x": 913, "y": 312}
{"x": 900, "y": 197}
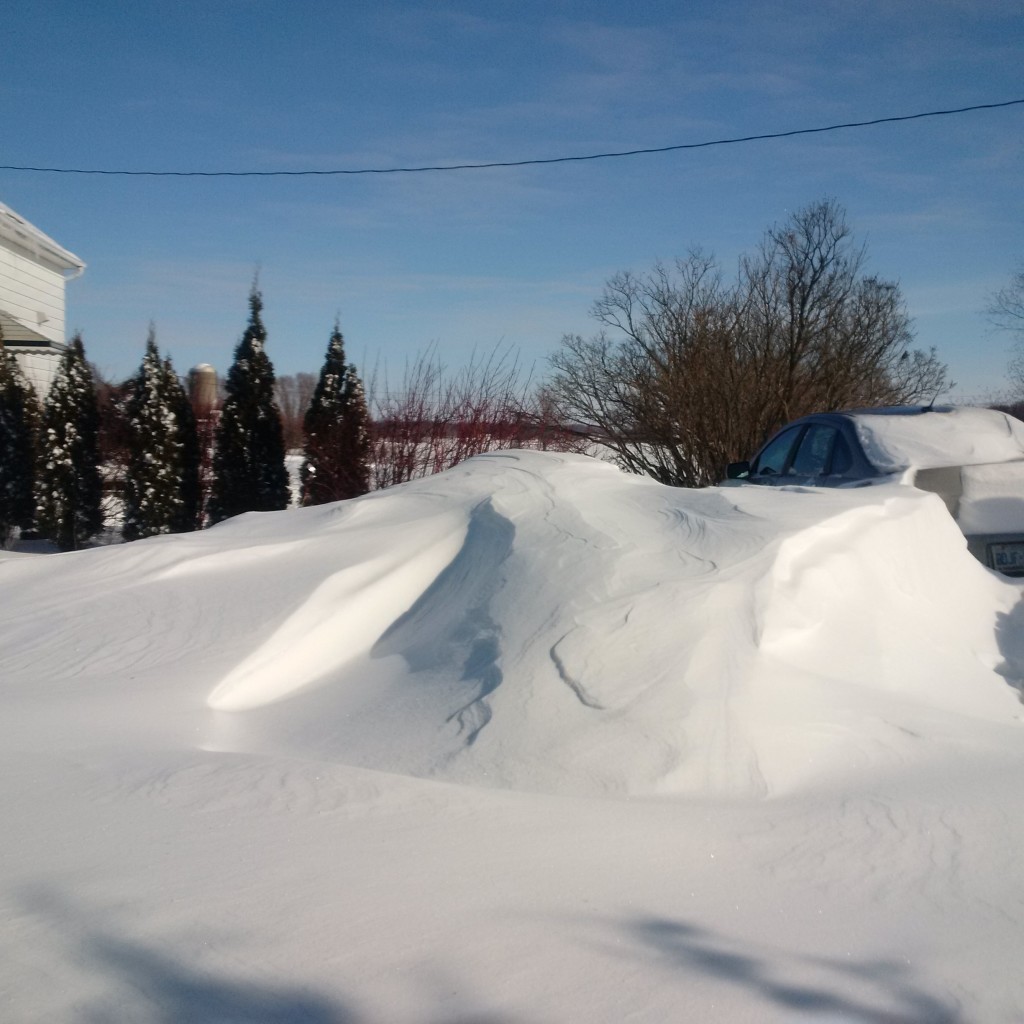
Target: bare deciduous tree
{"x": 1007, "y": 306}
{"x": 689, "y": 374}
{"x": 293, "y": 394}
{"x": 1006, "y": 311}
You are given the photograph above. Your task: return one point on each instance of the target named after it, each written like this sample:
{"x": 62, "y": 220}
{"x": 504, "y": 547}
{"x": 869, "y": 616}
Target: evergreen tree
{"x": 337, "y": 432}
{"x": 161, "y": 478}
{"x": 19, "y": 425}
{"x": 190, "y": 515}
{"x": 357, "y": 444}
{"x": 70, "y": 491}
{"x": 249, "y": 473}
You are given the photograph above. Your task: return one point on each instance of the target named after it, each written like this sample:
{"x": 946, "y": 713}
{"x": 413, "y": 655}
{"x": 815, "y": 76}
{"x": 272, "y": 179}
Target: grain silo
{"x": 202, "y": 389}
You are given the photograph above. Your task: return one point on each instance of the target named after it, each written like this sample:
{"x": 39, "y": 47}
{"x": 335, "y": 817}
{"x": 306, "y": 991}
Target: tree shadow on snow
{"x": 147, "y": 986}
{"x": 177, "y": 992}
{"x": 160, "y": 987}
{"x": 890, "y": 995}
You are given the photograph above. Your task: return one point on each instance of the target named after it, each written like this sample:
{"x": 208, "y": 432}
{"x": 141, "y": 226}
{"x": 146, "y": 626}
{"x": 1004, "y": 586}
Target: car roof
{"x": 928, "y": 437}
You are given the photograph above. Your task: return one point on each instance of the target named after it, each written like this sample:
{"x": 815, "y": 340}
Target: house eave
{"x": 18, "y": 232}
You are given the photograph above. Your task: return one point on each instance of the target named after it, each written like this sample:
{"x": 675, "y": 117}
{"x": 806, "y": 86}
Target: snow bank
{"x": 942, "y": 436}
{"x": 992, "y": 498}
{"x": 339, "y": 620}
{"x": 548, "y": 623}
{"x": 227, "y": 761}
{"x": 597, "y": 632}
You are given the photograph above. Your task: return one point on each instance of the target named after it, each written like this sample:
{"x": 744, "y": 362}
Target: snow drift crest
{"x": 545, "y": 622}
{"x": 542, "y": 622}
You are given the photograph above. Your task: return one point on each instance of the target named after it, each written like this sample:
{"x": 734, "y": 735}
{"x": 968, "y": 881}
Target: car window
{"x": 812, "y": 457}
{"x": 842, "y": 457}
{"x": 773, "y": 457}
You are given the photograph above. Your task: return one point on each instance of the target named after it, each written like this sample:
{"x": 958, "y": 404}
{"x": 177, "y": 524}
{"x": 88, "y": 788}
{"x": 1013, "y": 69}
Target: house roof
{"x": 16, "y": 230}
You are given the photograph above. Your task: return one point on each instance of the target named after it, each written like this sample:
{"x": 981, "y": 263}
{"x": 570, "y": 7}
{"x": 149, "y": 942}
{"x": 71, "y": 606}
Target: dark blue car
{"x": 972, "y": 458}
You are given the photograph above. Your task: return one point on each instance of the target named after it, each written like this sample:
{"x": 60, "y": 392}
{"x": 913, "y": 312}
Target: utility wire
{"x": 515, "y": 163}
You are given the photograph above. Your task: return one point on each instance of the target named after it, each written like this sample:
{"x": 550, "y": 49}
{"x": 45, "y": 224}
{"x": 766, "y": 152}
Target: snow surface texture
{"x": 532, "y": 741}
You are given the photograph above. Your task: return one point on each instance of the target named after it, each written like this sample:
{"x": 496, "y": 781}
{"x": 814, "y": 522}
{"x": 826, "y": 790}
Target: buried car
{"x": 972, "y": 458}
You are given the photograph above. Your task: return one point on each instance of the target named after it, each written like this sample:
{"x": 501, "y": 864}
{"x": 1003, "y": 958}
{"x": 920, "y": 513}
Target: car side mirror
{"x": 737, "y": 470}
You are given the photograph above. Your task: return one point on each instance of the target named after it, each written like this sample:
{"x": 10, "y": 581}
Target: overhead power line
{"x": 517, "y": 163}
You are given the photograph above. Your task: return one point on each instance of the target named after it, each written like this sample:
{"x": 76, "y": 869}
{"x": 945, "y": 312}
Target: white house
{"x": 33, "y": 272}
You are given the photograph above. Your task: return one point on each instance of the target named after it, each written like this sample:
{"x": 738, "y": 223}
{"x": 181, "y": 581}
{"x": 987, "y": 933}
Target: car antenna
{"x": 938, "y": 391}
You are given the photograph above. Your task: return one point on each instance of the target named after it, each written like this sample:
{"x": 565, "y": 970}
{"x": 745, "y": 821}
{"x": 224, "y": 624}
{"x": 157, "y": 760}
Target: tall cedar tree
{"x": 249, "y": 473}
{"x": 19, "y": 425}
{"x": 70, "y": 491}
{"x": 191, "y": 509}
{"x": 162, "y": 475}
{"x": 336, "y": 426}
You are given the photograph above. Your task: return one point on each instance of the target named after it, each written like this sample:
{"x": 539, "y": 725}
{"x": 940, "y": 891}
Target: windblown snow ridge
{"x": 545, "y": 622}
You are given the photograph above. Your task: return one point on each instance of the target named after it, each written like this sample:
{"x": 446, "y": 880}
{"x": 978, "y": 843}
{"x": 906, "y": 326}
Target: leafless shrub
{"x": 1006, "y": 311}
{"x": 293, "y": 394}
{"x": 431, "y": 419}
{"x": 689, "y": 373}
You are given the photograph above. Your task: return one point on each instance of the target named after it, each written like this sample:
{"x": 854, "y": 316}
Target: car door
{"x": 809, "y": 453}
{"x": 773, "y": 462}
{"x": 822, "y": 457}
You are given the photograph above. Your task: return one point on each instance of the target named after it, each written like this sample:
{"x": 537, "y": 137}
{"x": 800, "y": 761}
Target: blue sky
{"x": 507, "y": 256}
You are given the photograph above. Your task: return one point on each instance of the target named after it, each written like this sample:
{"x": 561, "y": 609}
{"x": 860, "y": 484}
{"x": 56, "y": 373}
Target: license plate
{"x": 1007, "y": 557}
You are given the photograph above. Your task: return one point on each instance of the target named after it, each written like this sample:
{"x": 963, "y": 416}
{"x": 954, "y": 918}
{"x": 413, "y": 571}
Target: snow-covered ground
{"x": 532, "y": 741}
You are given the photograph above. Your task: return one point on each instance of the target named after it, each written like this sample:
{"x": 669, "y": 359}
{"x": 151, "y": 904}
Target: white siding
{"x": 39, "y": 365}
{"x": 32, "y": 279}
{"x": 33, "y": 294}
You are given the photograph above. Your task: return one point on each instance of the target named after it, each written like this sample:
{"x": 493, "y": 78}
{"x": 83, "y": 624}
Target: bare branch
{"x": 690, "y": 374}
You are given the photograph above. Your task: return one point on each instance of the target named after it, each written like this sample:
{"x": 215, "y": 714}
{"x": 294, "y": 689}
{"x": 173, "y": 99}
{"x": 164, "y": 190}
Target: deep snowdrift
{"x": 226, "y": 761}
{"x": 545, "y": 622}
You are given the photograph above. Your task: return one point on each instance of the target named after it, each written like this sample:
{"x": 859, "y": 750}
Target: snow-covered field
{"x": 533, "y": 741}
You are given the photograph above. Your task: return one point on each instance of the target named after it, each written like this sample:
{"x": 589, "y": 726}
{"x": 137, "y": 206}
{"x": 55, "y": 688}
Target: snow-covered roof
{"x": 15, "y": 229}
{"x": 940, "y": 436}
